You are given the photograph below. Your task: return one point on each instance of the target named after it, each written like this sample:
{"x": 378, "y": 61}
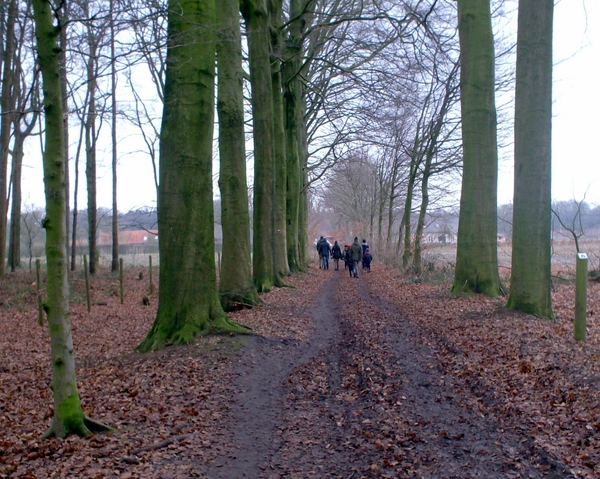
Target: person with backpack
{"x": 324, "y": 249}
{"x": 365, "y": 247}
{"x": 367, "y": 258}
{"x": 356, "y": 254}
{"x": 347, "y": 260}
{"x": 336, "y": 254}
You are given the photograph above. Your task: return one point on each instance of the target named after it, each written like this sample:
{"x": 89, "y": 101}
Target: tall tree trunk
{"x": 75, "y": 224}
{"x": 188, "y": 296}
{"x": 14, "y": 249}
{"x": 433, "y": 141}
{"x": 391, "y": 202}
{"x": 68, "y": 415}
{"x": 303, "y": 205}
{"x": 257, "y": 25}
{"x": 7, "y": 103}
{"x": 417, "y": 263}
{"x": 90, "y": 150}
{"x": 293, "y": 130}
{"x": 477, "y": 252}
{"x": 408, "y": 204}
{"x": 14, "y": 245}
{"x": 114, "y": 265}
{"x": 530, "y": 283}
{"x": 280, "y": 261}
{"x": 235, "y": 285}
{"x": 64, "y": 84}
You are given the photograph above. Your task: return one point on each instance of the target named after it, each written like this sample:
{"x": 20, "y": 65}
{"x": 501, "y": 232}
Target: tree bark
{"x": 188, "y": 296}
{"x": 114, "y": 265}
{"x": 90, "y": 149}
{"x": 14, "y": 244}
{"x": 477, "y": 255}
{"x": 68, "y": 415}
{"x": 64, "y": 84}
{"x": 235, "y": 286}
{"x": 280, "y": 260}
{"x": 530, "y": 284}
{"x": 293, "y": 130}
{"x": 257, "y": 25}
{"x": 6, "y": 108}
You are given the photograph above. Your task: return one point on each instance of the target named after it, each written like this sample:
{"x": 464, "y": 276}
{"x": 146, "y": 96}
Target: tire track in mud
{"x": 259, "y": 404}
{"x": 365, "y": 397}
{"x": 451, "y": 438}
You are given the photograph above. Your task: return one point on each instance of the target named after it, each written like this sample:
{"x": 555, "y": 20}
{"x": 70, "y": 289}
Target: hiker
{"x": 318, "y": 244}
{"x": 365, "y": 247}
{"x": 336, "y": 254}
{"x": 347, "y": 259}
{"x": 324, "y": 249}
{"x": 356, "y": 254}
{"x": 367, "y": 258}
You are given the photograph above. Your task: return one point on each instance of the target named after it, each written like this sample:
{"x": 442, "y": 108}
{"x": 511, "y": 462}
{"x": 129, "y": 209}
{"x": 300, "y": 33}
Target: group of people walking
{"x": 352, "y": 255}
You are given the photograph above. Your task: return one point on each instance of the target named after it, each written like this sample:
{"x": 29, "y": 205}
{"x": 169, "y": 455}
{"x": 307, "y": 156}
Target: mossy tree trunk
{"x": 280, "y": 260}
{"x": 256, "y": 17}
{"x": 68, "y": 415}
{"x": 91, "y": 137}
{"x": 188, "y": 301}
{"x": 114, "y": 265}
{"x": 303, "y": 243}
{"x": 235, "y": 285}
{"x": 434, "y": 139}
{"x": 7, "y": 104}
{"x": 477, "y": 253}
{"x": 411, "y": 184}
{"x": 14, "y": 249}
{"x": 292, "y": 83}
{"x": 530, "y": 283}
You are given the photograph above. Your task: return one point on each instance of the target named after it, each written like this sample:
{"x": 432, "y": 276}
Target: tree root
{"x": 96, "y": 426}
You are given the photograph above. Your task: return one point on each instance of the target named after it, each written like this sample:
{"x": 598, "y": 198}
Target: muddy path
{"x": 364, "y": 397}
{"x": 253, "y": 432}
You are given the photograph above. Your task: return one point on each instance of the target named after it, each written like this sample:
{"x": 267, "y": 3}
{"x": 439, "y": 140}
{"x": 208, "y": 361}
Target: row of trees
{"x": 329, "y": 81}
{"x": 477, "y": 260}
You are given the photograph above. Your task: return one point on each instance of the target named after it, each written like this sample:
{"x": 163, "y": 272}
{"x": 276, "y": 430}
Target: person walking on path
{"x": 367, "y": 258}
{"x": 324, "y": 249}
{"x": 365, "y": 247}
{"x": 356, "y": 254}
{"x": 347, "y": 259}
{"x": 336, "y": 254}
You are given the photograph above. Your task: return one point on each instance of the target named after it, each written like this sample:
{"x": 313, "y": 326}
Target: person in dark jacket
{"x": 367, "y": 258}
{"x": 336, "y": 254}
{"x": 365, "y": 247}
{"x": 347, "y": 259}
{"x": 356, "y": 254}
{"x": 324, "y": 249}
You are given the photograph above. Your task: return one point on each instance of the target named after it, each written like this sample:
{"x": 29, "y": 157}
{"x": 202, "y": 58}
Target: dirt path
{"x": 364, "y": 399}
{"x": 253, "y": 437}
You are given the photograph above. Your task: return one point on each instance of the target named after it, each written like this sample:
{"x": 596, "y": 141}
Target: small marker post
{"x": 581, "y": 279}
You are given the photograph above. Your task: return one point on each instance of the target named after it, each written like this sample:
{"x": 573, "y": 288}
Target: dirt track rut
{"x": 363, "y": 398}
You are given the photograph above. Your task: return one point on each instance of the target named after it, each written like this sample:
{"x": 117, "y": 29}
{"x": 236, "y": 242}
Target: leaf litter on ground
{"x": 169, "y": 408}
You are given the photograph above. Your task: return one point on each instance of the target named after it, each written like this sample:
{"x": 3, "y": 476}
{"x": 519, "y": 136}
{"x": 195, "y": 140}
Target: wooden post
{"x": 150, "y": 274}
{"x": 38, "y": 271}
{"x": 581, "y": 278}
{"x": 121, "y": 280}
{"x": 87, "y": 283}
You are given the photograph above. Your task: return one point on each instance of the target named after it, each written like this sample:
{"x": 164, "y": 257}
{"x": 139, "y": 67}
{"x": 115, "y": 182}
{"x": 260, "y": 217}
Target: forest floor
{"x": 375, "y": 377}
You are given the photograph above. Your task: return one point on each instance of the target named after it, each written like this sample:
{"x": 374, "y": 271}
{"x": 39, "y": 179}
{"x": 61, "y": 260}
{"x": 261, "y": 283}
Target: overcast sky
{"x": 575, "y": 127}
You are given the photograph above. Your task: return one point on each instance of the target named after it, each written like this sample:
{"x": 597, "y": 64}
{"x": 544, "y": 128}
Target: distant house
{"x": 130, "y": 242}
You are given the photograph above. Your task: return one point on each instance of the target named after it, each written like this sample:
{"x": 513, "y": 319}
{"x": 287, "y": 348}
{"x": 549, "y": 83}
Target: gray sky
{"x": 576, "y": 108}
{"x": 576, "y": 128}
